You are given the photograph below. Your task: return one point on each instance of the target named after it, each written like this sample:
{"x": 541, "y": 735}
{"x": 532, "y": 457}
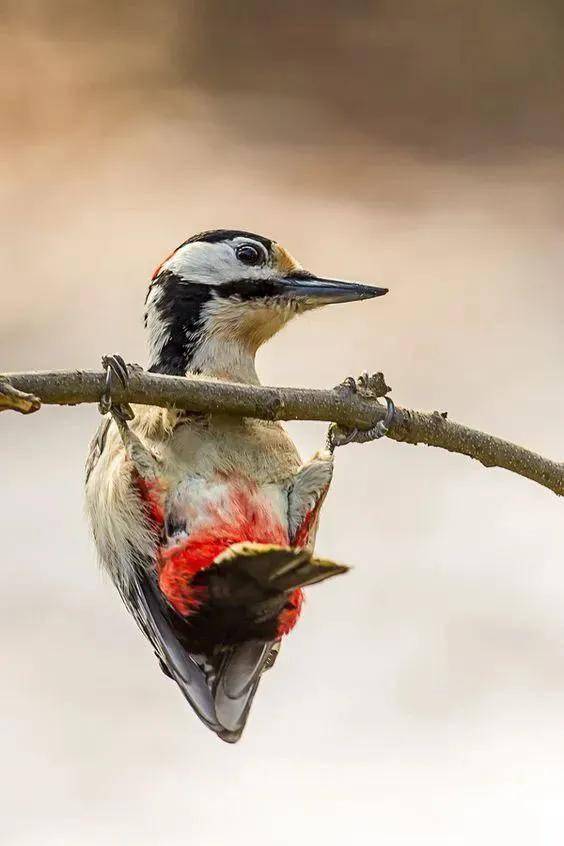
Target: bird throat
{"x": 225, "y": 359}
{"x": 213, "y": 355}
{"x": 193, "y": 331}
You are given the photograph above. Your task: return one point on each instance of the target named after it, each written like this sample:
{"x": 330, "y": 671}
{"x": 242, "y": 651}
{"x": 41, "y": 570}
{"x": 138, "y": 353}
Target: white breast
{"x": 201, "y": 505}
{"x": 230, "y": 473}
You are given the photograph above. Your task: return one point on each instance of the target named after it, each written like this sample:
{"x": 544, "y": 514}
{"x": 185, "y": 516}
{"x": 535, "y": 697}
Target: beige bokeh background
{"x": 421, "y": 698}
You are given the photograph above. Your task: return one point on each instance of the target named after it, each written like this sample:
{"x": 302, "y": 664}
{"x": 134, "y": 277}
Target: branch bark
{"x": 341, "y": 405}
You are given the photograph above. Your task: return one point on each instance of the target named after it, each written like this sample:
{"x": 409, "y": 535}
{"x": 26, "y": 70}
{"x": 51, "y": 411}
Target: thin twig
{"x": 338, "y": 405}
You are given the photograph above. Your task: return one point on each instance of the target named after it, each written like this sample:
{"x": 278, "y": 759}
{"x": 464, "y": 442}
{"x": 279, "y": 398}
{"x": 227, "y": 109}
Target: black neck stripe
{"x": 180, "y": 306}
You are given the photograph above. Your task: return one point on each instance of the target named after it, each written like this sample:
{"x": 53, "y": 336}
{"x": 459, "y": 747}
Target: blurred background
{"x": 418, "y": 145}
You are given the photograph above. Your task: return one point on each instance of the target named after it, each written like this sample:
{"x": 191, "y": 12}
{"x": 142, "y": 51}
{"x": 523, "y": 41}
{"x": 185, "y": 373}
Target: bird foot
{"x": 115, "y": 368}
{"x": 372, "y": 386}
{"x": 146, "y": 464}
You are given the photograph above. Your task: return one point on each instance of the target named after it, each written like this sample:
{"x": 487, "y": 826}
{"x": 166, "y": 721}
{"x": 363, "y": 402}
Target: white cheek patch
{"x": 213, "y": 264}
{"x": 226, "y": 331}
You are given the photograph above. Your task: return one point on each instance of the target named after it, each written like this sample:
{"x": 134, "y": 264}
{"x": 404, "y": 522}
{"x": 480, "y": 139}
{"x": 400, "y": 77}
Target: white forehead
{"x": 214, "y": 263}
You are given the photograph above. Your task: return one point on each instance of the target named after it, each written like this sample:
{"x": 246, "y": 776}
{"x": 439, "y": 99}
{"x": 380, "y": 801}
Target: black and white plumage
{"x": 206, "y": 524}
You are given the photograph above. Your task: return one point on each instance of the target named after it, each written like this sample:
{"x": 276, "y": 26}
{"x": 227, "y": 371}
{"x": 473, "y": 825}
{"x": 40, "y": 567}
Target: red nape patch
{"x": 157, "y": 269}
{"x": 288, "y": 617}
{"x": 152, "y": 494}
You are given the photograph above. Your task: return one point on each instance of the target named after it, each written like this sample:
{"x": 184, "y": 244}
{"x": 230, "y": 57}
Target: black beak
{"x": 313, "y": 291}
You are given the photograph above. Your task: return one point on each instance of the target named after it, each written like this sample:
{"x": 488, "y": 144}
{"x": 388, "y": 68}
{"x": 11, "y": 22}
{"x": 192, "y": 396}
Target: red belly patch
{"x": 249, "y": 520}
{"x": 288, "y": 617}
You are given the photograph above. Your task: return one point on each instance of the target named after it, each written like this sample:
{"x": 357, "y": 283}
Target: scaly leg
{"x": 145, "y": 463}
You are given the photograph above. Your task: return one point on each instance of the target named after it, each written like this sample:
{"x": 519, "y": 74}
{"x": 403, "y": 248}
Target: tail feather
{"x": 303, "y": 573}
{"x": 248, "y": 586}
{"x": 266, "y": 568}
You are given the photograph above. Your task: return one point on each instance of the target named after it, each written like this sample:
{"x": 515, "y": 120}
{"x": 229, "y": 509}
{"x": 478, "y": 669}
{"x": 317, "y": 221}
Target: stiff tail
{"x": 258, "y": 578}
{"x": 247, "y": 587}
{"x": 247, "y": 571}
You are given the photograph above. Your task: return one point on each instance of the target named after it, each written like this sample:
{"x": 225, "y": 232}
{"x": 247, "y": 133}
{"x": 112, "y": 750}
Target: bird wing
{"x": 220, "y": 688}
{"x": 237, "y": 680}
{"x": 148, "y": 607}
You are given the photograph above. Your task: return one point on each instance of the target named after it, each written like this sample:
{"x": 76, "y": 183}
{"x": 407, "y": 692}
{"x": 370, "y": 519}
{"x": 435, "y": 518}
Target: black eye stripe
{"x": 249, "y": 289}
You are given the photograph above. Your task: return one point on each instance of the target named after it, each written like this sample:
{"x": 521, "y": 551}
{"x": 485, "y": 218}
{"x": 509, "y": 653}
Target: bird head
{"x": 221, "y": 294}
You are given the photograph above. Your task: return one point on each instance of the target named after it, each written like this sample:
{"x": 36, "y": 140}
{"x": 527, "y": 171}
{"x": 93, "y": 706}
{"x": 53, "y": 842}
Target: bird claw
{"x": 338, "y": 436}
{"x": 372, "y": 386}
{"x": 115, "y": 368}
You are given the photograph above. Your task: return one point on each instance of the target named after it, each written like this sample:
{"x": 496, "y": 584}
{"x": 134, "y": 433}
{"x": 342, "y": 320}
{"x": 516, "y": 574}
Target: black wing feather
{"x": 220, "y": 687}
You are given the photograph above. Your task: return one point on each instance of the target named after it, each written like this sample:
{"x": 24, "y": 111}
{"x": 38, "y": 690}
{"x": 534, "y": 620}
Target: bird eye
{"x": 248, "y": 254}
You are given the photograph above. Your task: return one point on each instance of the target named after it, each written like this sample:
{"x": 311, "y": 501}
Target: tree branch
{"x": 11, "y": 398}
{"x": 341, "y": 405}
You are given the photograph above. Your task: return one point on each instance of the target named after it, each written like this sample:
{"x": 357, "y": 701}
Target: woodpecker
{"x": 206, "y": 523}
